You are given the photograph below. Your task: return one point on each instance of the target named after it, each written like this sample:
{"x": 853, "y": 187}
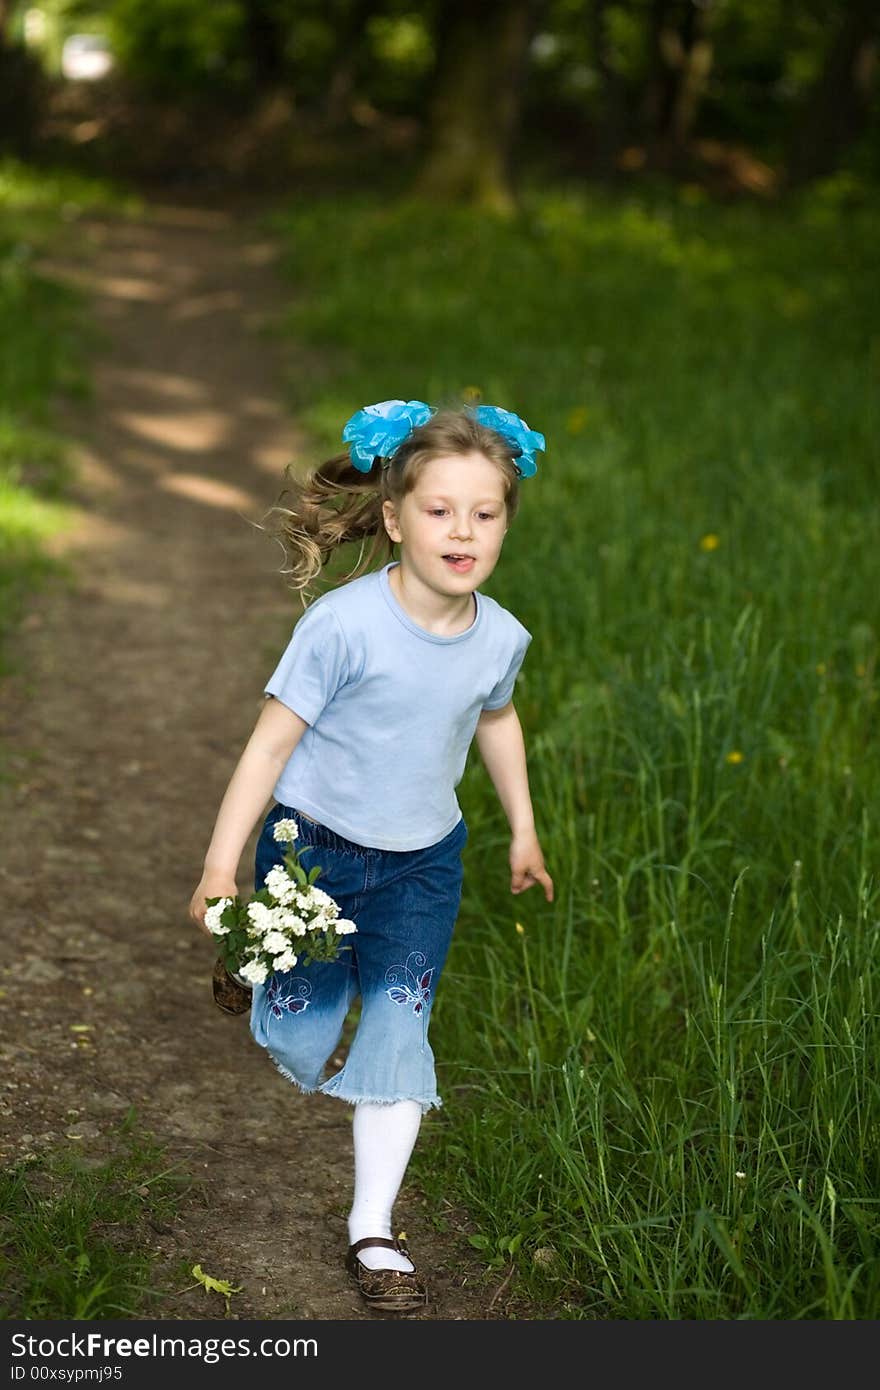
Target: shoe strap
{"x": 368, "y": 1241}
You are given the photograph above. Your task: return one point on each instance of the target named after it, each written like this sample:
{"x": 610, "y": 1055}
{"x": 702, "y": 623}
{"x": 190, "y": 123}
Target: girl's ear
{"x": 390, "y": 518}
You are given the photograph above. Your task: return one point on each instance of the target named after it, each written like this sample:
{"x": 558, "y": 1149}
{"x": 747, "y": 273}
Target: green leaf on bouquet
{"x": 313, "y": 874}
{"x": 299, "y": 874}
{"x": 229, "y": 915}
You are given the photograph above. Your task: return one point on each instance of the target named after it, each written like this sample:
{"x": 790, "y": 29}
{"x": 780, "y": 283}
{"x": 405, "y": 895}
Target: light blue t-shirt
{"x": 392, "y": 711}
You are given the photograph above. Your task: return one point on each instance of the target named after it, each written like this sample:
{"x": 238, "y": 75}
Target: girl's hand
{"x": 527, "y": 865}
{"x": 211, "y": 886}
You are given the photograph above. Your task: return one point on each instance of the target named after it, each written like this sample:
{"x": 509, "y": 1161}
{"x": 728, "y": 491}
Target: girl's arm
{"x": 276, "y": 733}
{"x": 502, "y": 747}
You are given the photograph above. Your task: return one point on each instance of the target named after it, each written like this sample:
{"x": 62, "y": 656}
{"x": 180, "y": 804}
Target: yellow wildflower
{"x": 710, "y": 541}
{"x": 734, "y": 756}
{"x": 521, "y": 931}
{"x": 577, "y": 419}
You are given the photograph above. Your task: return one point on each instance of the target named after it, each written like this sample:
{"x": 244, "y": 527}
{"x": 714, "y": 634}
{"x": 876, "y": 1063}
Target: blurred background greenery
{"x": 745, "y": 93}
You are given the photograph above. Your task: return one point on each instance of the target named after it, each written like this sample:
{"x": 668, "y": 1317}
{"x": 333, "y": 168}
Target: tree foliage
{"x": 602, "y": 83}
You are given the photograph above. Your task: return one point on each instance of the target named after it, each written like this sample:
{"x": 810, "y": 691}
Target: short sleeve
{"x": 314, "y": 664}
{"x": 503, "y": 691}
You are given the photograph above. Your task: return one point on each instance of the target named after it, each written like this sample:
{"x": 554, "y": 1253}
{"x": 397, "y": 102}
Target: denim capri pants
{"x": 404, "y": 903}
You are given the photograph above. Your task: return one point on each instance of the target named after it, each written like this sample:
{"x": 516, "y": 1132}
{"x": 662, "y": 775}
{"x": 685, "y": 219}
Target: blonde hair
{"x": 336, "y": 502}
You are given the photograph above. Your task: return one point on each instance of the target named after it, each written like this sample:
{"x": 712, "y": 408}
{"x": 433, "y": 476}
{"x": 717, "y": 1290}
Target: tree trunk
{"x": 475, "y": 106}
{"x": 681, "y": 60}
{"x": 265, "y": 41}
{"x": 660, "y": 87}
{"x": 349, "y": 38}
{"x": 693, "y": 74}
{"x": 837, "y": 106}
{"x": 612, "y": 120}
{"x": 22, "y": 91}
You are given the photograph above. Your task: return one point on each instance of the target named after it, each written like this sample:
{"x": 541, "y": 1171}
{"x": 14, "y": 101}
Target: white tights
{"x": 384, "y": 1138}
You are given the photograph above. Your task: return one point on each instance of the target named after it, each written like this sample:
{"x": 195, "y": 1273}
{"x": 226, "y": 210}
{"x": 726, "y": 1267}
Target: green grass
{"x": 73, "y": 1242}
{"x": 44, "y": 339}
{"x": 661, "y": 1095}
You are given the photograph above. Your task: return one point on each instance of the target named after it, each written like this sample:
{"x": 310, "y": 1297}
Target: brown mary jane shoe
{"x": 387, "y": 1290}
{"x": 229, "y": 995}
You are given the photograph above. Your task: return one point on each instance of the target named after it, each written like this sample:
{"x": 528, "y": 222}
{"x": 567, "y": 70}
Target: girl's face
{"x": 456, "y": 509}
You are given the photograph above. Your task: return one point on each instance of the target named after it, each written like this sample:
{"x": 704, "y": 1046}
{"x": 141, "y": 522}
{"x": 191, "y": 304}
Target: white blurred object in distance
{"x": 86, "y": 57}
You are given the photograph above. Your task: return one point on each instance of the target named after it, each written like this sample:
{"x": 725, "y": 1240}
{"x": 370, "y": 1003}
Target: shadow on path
{"x": 135, "y": 692}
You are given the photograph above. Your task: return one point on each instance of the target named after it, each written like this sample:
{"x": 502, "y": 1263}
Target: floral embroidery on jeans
{"x": 294, "y": 1002}
{"x": 408, "y": 987}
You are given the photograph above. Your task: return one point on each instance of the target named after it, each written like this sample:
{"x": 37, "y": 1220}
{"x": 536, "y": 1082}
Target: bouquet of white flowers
{"x": 289, "y": 920}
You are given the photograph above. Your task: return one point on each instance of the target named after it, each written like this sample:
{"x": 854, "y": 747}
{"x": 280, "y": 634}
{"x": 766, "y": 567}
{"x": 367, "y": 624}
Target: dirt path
{"x": 135, "y": 694}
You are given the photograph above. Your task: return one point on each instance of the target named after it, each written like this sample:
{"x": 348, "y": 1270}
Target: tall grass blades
{"x": 74, "y": 1231}
{"x": 661, "y": 1100}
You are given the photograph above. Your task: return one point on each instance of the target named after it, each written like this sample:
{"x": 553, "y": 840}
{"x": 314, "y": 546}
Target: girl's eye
{"x": 438, "y": 511}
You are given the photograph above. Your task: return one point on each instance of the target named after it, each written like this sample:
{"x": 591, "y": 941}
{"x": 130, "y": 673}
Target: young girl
{"x": 362, "y": 741}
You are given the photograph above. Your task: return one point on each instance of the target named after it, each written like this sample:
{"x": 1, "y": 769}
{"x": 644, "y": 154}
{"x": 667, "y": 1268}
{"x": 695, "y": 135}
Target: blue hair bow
{"x": 517, "y": 431}
{"x": 377, "y": 430}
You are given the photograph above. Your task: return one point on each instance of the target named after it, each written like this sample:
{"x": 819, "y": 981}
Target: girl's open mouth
{"x": 460, "y": 563}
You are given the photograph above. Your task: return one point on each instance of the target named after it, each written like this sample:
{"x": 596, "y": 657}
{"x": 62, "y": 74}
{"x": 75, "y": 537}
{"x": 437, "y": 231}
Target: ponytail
{"x": 315, "y": 514}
